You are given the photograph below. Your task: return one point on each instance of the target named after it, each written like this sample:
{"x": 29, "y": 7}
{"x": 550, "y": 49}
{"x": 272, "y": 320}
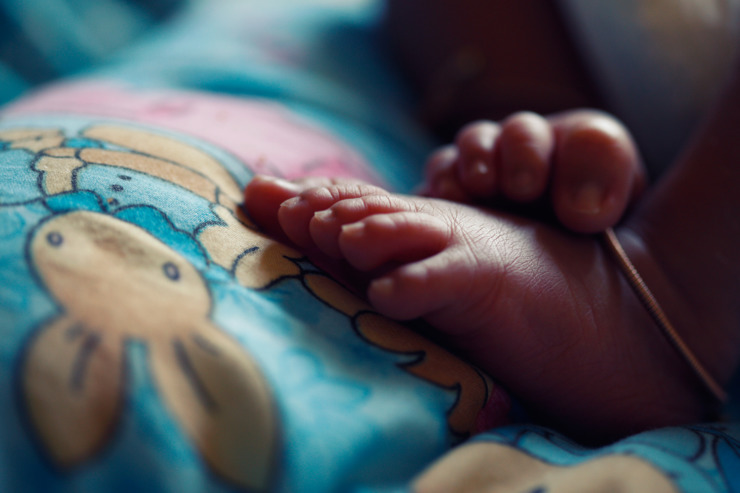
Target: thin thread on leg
{"x": 651, "y": 304}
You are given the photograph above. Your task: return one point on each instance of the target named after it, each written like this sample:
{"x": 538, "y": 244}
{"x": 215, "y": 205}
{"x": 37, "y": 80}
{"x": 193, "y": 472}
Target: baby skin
{"x": 539, "y": 307}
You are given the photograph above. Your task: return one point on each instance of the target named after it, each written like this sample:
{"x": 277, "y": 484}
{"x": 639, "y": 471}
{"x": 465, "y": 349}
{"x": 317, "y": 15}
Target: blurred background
{"x": 41, "y": 40}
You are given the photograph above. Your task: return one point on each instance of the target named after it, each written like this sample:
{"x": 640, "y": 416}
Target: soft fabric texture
{"x": 41, "y": 40}
{"x": 154, "y": 340}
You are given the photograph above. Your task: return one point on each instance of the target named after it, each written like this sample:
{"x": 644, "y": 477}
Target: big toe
{"x": 262, "y": 198}
{"x": 597, "y": 172}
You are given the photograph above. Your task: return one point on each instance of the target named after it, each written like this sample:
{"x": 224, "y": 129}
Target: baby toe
{"x": 262, "y": 198}
{"x": 296, "y": 214}
{"x": 441, "y": 179}
{"x": 326, "y": 225}
{"x": 398, "y": 237}
{"x": 525, "y": 148}
{"x": 597, "y": 173}
{"x": 475, "y": 166}
{"x": 417, "y": 289}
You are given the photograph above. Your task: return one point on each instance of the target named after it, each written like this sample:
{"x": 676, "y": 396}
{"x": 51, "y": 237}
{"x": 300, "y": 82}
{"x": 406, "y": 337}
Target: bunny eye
{"x": 171, "y": 271}
{"x": 54, "y": 239}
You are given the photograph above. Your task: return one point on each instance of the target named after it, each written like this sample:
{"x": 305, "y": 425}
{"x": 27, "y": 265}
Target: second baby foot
{"x": 581, "y": 164}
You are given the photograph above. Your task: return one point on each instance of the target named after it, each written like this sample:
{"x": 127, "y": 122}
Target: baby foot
{"x": 585, "y": 160}
{"x": 545, "y": 312}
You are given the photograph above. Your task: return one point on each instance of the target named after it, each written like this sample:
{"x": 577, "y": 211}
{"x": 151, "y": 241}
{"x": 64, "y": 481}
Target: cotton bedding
{"x": 154, "y": 340}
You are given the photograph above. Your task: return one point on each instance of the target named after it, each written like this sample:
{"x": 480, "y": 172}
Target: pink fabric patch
{"x": 265, "y": 135}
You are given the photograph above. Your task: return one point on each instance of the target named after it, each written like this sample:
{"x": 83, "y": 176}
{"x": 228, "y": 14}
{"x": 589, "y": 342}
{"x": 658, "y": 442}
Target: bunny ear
{"x": 220, "y": 398}
{"x": 71, "y": 385}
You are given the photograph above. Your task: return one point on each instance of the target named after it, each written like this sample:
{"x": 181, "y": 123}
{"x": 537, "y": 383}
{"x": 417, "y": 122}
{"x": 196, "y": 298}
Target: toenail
{"x": 588, "y": 199}
{"x": 478, "y": 168}
{"x": 281, "y": 182}
{"x": 354, "y": 229}
{"x": 324, "y": 215}
{"x": 291, "y": 202}
{"x": 383, "y": 286}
